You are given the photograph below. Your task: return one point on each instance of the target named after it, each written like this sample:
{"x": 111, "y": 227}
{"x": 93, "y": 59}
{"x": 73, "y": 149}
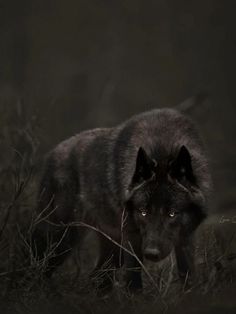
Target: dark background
{"x": 66, "y": 66}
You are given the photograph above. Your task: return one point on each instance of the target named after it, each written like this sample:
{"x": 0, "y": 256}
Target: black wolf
{"x": 144, "y": 183}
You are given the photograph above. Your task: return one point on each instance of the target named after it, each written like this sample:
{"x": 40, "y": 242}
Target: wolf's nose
{"x": 152, "y": 254}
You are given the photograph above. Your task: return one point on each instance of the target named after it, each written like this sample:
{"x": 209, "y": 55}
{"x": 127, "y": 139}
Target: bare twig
{"x": 130, "y": 252}
{"x": 122, "y": 225}
{"x": 18, "y": 193}
{"x": 39, "y": 218}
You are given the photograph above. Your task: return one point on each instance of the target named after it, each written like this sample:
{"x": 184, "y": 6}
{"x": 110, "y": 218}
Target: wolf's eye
{"x": 172, "y": 213}
{"x": 143, "y": 212}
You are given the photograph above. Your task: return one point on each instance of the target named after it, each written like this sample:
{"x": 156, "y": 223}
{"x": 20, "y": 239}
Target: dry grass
{"x": 23, "y": 288}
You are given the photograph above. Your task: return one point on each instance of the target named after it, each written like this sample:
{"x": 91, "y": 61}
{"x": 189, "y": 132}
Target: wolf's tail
{"x": 193, "y": 102}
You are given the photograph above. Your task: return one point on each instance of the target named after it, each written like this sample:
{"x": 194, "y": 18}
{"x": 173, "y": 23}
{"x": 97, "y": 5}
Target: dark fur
{"x": 152, "y": 164}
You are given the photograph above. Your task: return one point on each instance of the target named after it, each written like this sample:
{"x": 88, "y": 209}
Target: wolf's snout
{"x": 152, "y": 254}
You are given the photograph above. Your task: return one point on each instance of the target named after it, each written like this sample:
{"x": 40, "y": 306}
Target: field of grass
{"x": 24, "y": 289}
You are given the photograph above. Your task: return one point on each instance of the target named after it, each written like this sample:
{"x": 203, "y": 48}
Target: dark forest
{"x": 70, "y": 66}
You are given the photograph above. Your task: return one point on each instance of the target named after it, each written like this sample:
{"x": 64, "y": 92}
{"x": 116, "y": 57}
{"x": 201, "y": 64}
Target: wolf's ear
{"x": 144, "y": 168}
{"x": 182, "y": 165}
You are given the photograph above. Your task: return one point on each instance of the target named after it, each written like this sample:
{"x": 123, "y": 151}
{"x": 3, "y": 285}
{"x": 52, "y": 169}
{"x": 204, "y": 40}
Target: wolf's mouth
{"x": 153, "y": 258}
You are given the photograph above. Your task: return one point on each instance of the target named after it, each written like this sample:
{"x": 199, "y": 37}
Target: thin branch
{"x": 16, "y": 196}
{"x": 130, "y": 252}
{"x": 122, "y": 225}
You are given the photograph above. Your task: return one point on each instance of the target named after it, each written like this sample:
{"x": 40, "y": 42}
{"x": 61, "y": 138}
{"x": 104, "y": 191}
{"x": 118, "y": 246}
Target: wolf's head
{"x": 165, "y": 201}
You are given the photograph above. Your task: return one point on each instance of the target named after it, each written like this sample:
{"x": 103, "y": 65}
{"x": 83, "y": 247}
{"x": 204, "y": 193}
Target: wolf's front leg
{"x": 103, "y": 274}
